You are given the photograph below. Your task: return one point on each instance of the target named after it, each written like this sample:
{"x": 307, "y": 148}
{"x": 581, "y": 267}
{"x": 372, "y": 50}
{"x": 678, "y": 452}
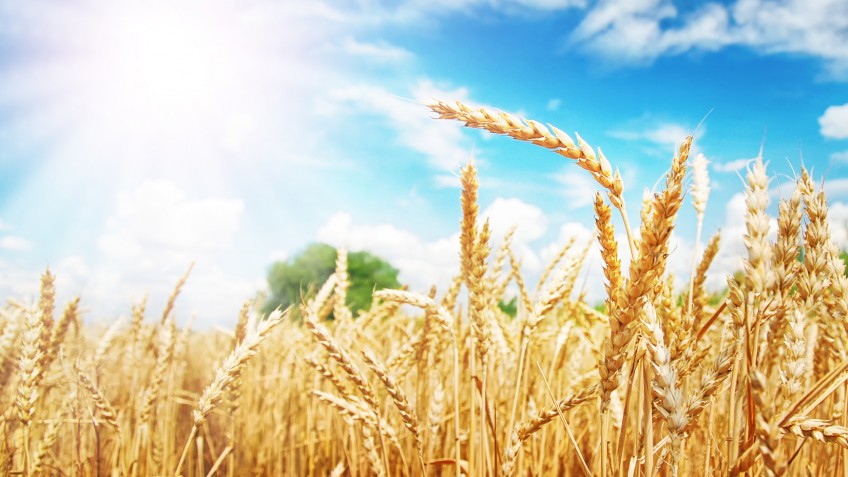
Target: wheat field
{"x": 657, "y": 381}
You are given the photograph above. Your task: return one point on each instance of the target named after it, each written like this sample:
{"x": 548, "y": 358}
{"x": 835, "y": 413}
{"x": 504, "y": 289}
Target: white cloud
{"x": 731, "y": 166}
{"x": 638, "y": 32}
{"x": 592, "y": 274}
{"x": 834, "y": 122}
{"x": 452, "y": 181}
{"x": 663, "y": 134}
{"x": 416, "y": 12}
{"x": 380, "y": 51}
{"x": 529, "y": 220}
{"x": 840, "y": 157}
{"x": 421, "y": 263}
{"x": 531, "y": 224}
{"x": 668, "y": 134}
{"x": 442, "y": 142}
{"x": 15, "y": 243}
{"x": 152, "y": 235}
{"x": 553, "y": 104}
{"x": 158, "y": 218}
{"x": 663, "y": 138}
{"x": 577, "y": 187}
{"x": 278, "y": 256}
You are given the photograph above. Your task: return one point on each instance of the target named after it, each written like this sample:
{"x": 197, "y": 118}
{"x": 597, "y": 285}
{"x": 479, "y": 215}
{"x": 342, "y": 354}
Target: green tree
{"x": 303, "y": 274}
{"x": 509, "y": 307}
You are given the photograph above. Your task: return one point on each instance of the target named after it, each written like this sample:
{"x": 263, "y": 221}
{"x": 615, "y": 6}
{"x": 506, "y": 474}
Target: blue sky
{"x": 137, "y": 137}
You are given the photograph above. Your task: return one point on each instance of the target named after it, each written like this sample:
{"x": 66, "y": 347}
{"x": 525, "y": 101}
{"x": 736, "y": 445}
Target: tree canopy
{"x": 301, "y": 275}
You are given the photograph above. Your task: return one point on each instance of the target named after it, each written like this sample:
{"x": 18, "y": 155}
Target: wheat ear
{"x": 554, "y": 139}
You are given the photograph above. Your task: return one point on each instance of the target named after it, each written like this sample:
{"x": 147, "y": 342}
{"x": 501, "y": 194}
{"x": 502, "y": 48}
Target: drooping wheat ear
{"x": 351, "y": 408}
{"x": 531, "y": 131}
{"x": 173, "y": 298}
{"x": 341, "y": 356}
{"x": 340, "y": 310}
{"x": 554, "y": 139}
{"x": 104, "y": 407}
{"x": 644, "y": 274}
{"x": 233, "y": 366}
{"x": 330, "y": 376}
{"x": 818, "y": 429}
{"x": 441, "y": 314}
{"x": 609, "y": 252}
{"x": 407, "y": 413}
{"x": 29, "y": 367}
{"x": 523, "y": 430}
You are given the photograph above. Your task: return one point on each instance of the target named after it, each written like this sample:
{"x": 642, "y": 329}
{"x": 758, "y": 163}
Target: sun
{"x": 165, "y": 64}
{"x": 161, "y": 87}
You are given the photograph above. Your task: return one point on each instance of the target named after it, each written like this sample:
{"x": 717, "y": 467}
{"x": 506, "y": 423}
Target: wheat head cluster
{"x": 660, "y": 380}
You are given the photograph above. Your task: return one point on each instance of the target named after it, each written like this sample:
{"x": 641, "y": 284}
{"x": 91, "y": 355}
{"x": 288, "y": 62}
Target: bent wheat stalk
{"x": 499, "y": 122}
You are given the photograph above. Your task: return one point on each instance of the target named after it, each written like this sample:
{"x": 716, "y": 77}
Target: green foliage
{"x": 844, "y": 256}
{"x": 300, "y": 276}
{"x": 509, "y": 307}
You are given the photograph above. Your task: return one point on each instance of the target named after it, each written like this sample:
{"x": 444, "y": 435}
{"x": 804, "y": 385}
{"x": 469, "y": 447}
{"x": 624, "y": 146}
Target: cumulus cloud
{"x": 158, "y": 218}
{"x": 15, "y": 244}
{"x": 731, "y": 166}
{"x": 421, "y": 263}
{"x": 834, "y": 122}
{"x": 840, "y": 157}
{"x": 577, "y": 187}
{"x": 152, "y": 235}
{"x": 665, "y": 134}
{"x": 441, "y": 142}
{"x": 638, "y": 32}
{"x": 380, "y": 51}
{"x": 530, "y": 223}
{"x": 426, "y": 262}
